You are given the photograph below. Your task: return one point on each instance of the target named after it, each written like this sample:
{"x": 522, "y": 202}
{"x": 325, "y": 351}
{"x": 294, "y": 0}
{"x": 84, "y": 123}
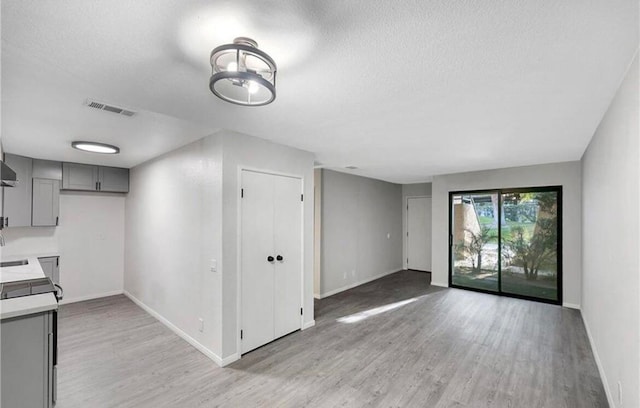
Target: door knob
{"x": 279, "y": 258}
{"x": 270, "y": 258}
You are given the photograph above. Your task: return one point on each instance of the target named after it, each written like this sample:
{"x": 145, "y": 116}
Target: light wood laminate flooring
{"x": 395, "y": 342}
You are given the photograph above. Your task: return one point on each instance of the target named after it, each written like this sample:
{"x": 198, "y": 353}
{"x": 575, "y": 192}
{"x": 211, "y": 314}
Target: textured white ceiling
{"x": 402, "y": 90}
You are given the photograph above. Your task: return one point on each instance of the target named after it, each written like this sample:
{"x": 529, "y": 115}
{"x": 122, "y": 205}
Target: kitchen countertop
{"x": 27, "y": 304}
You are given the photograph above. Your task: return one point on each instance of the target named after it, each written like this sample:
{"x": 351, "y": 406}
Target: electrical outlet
{"x": 214, "y": 265}
{"x": 201, "y": 325}
{"x": 620, "y": 393}
{"x": 388, "y": 235}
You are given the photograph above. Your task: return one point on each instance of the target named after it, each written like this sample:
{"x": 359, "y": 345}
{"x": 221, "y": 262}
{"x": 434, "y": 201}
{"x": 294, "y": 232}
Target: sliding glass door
{"x": 507, "y": 242}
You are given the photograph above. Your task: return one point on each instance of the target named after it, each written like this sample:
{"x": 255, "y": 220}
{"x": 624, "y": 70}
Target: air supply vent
{"x": 351, "y": 167}
{"x": 109, "y": 108}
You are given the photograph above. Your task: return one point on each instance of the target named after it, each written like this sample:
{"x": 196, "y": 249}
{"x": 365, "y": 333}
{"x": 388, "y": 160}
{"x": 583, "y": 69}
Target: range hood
{"x": 8, "y": 176}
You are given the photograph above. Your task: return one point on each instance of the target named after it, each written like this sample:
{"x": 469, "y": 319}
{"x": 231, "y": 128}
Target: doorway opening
{"x": 418, "y": 236}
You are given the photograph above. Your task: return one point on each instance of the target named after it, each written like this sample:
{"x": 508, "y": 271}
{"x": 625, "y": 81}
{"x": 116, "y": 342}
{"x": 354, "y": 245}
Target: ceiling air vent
{"x": 351, "y": 167}
{"x": 109, "y": 108}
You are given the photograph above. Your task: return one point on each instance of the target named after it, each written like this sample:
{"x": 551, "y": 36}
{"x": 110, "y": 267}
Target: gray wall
{"x": 565, "y": 174}
{"x": 357, "y": 215}
{"x": 410, "y": 190}
{"x": 610, "y": 239}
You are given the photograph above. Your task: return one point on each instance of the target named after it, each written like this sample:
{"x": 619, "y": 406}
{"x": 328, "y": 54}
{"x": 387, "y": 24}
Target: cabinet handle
{"x": 100, "y": 185}
{"x": 6, "y": 221}
{"x": 269, "y": 258}
{"x": 279, "y": 258}
{"x": 57, "y": 219}
{"x": 96, "y": 186}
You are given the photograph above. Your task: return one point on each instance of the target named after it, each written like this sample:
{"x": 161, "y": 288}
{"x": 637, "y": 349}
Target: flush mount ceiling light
{"x": 243, "y": 74}
{"x": 95, "y": 147}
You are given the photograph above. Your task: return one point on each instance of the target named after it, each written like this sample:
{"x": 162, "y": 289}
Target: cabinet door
{"x": 77, "y": 176}
{"x": 50, "y": 267}
{"x": 24, "y": 361}
{"x": 17, "y": 200}
{"x": 46, "y": 202}
{"x": 113, "y": 179}
{"x": 47, "y": 169}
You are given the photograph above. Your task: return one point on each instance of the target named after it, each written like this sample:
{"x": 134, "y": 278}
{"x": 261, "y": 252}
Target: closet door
{"x": 257, "y": 271}
{"x": 288, "y": 250}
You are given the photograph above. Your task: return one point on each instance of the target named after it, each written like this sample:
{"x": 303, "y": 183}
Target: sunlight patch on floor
{"x": 360, "y": 316}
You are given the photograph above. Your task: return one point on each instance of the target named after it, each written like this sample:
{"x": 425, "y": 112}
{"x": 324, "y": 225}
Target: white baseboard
{"x": 440, "y": 284}
{"x": 571, "y": 306}
{"x": 228, "y": 360}
{"x": 90, "y": 297}
{"x": 199, "y": 346}
{"x": 353, "y": 285}
{"x": 603, "y": 376}
{"x": 307, "y": 325}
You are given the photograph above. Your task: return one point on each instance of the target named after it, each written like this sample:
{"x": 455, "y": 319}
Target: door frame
{"x": 406, "y": 216}
{"x": 240, "y": 169}
{"x": 499, "y": 192}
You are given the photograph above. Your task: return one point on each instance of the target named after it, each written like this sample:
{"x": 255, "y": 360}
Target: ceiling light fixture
{"x": 243, "y": 74}
{"x": 95, "y": 147}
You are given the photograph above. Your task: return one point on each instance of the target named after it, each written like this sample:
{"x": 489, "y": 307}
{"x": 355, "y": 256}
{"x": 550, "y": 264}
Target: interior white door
{"x": 271, "y": 259}
{"x": 419, "y": 233}
{"x": 288, "y": 250}
{"x": 257, "y": 271}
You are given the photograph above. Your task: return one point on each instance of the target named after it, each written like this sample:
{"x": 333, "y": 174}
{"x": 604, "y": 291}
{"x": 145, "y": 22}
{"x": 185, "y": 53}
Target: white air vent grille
{"x": 351, "y": 167}
{"x": 109, "y": 108}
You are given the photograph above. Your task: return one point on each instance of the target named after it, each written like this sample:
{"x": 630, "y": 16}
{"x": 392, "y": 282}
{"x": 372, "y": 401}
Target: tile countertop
{"x": 27, "y": 304}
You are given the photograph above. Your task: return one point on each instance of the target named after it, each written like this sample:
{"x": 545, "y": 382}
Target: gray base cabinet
{"x": 26, "y": 361}
{"x": 51, "y": 268}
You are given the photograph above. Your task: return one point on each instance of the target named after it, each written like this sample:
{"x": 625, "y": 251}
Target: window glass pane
{"x": 529, "y": 244}
{"x": 475, "y": 241}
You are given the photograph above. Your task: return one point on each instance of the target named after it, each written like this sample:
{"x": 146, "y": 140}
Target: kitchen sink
{"x": 14, "y": 263}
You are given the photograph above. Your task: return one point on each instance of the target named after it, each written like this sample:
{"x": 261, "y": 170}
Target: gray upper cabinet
{"x": 46, "y": 202}
{"x": 86, "y": 177}
{"x": 113, "y": 179}
{"x": 47, "y": 169}
{"x": 76, "y": 176}
{"x": 16, "y": 209}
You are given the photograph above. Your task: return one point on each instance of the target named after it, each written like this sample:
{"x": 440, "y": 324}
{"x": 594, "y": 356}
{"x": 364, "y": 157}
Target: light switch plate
{"x": 214, "y": 265}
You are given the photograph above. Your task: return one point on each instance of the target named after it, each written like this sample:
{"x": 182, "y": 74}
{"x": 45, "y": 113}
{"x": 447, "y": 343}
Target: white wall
{"x": 410, "y": 190}
{"x": 249, "y": 152}
{"x": 565, "y": 174}
{"x": 610, "y": 239}
{"x": 173, "y": 229}
{"x": 89, "y": 240}
{"x": 182, "y": 212}
{"x": 357, "y": 215}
